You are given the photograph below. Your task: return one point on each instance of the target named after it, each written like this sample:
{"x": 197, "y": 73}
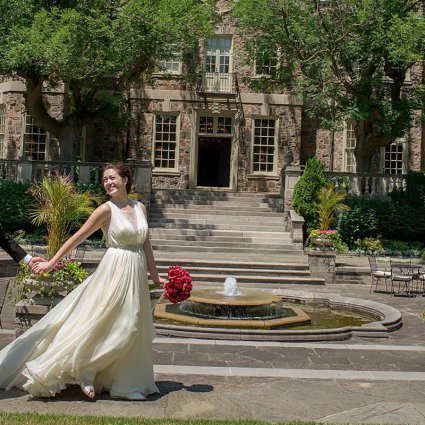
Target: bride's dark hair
{"x": 123, "y": 171}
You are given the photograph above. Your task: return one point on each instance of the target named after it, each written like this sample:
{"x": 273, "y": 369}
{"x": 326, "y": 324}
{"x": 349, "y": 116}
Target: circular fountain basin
{"x": 250, "y": 309}
{"x": 384, "y": 319}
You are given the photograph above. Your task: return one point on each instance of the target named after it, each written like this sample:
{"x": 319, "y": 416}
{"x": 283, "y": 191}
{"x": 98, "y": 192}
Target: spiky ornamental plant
{"x": 330, "y": 201}
{"x": 60, "y": 207}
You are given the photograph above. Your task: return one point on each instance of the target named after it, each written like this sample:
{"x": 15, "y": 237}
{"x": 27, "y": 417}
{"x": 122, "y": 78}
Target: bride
{"x": 100, "y": 335}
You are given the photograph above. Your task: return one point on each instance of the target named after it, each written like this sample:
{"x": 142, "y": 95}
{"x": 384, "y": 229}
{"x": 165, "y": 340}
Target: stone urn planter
{"x": 322, "y": 242}
{"x": 46, "y": 288}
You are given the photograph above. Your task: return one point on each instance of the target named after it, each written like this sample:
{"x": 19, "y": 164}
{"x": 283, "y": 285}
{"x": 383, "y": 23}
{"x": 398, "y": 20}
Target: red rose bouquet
{"x": 179, "y": 284}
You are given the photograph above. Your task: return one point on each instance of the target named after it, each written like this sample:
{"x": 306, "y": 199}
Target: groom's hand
{"x": 34, "y": 261}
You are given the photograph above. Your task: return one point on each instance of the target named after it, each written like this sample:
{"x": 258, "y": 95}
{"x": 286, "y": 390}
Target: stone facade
{"x": 297, "y": 137}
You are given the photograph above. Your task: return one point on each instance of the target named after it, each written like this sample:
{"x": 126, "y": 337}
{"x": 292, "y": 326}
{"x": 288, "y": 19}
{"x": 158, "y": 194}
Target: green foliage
{"x": 97, "y": 48}
{"x": 330, "y": 201}
{"x": 348, "y": 60}
{"x": 369, "y": 245}
{"x": 306, "y": 190}
{"x": 60, "y": 207}
{"x": 65, "y": 276}
{"x": 414, "y": 194}
{"x": 398, "y": 246}
{"x": 380, "y": 219}
{"x": 328, "y": 239}
{"x": 16, "y": 203}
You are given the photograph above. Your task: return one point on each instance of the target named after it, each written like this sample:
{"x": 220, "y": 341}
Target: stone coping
{"x": 299, "y": 317}
{"x": 388, "y": 320}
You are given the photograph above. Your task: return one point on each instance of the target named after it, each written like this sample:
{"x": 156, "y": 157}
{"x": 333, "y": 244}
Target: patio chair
{"x": 378, "y": 273}
{"x": 3, "y": 293}
{"x": 403, "y": 274}
{"x": 419, "y": 279}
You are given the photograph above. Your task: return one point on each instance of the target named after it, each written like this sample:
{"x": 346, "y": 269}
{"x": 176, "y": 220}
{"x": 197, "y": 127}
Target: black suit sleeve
{"x": 11, "y": 246}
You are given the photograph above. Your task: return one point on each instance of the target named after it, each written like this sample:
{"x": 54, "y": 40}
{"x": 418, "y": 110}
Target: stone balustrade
{"x": 369, "y": 184}
{"x": 374, "y": 185}
{"x": 21, "y": 170}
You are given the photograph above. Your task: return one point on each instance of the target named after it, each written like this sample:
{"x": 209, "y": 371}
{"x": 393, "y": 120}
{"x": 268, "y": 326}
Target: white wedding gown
{"x": 100, "y": 333}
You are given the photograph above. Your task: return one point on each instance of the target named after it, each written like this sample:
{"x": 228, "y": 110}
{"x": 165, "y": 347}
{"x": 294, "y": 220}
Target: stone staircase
{"x": 218, "y": 222}
{"x": 219, "y": 234}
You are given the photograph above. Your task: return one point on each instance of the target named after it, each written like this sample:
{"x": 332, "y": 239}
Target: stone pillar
{"x": 290, "y": 176}
{"x": 143, "y": 180}
{"x": 24, "y": 172}
{"x": 295, "y": 225}
{"x": 322, "y": 264}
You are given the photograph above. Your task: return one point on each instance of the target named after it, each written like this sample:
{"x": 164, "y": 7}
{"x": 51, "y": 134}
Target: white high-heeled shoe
{"x": 88, "y": 390}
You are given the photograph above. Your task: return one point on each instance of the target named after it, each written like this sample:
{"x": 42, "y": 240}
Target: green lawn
{"x": 55, "y": 419}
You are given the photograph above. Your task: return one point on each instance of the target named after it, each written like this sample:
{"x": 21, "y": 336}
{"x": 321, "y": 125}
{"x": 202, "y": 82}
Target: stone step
{"x": 284, "y": 250}
{"x": 219, "y": 239}
{"x": 211, "y": 194}
{"x": 240, "y": 271}
{"x": 213, "y": 210}
{"x": 155, "y": 231}
{"x": 259, "y": 264}
{"x": 218, "y": 243}
{"x": 219, "y": 219}
{"x": 235, "y": 203}
{"x": 183, "y": 224}
{"x": 196, "y": 213}
{"x": 214, "y": 279}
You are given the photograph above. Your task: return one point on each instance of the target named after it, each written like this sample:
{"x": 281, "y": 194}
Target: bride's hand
{"x": 42, "y": 267}
{"x": 161, "y": 282}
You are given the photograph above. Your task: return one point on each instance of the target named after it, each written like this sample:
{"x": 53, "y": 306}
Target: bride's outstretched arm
{"x": 99, "y": 218}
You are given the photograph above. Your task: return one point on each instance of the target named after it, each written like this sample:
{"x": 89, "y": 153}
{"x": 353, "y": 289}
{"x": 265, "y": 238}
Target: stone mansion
{"x": 208, "y": 132}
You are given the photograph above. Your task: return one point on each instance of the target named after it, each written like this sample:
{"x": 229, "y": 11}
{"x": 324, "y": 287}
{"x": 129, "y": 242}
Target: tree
{"x": 95, "y": 48}
{"x": 347, "y": 59}
{"x": 306, "y": 190}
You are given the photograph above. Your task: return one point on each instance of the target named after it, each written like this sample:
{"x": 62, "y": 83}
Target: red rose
{"x": 179, "y": 285}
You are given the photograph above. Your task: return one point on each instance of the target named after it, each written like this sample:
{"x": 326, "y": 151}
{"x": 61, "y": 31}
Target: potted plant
{"x": 64, "y": 277}
{"x": 330, "y": 202}
{"x": 60, "y": 207}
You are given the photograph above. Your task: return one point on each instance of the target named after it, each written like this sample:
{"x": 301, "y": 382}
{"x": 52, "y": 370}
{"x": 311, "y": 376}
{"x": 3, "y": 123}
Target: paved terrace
{"x": 359, "y": 381}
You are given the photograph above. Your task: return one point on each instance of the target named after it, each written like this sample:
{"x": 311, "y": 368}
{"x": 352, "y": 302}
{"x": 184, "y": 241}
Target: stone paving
{"x": 358, "y": 381}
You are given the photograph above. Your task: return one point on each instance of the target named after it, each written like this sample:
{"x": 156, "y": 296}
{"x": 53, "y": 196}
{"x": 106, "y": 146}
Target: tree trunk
{"x": 364, "y": 149}
{"x": 69, "y": 139}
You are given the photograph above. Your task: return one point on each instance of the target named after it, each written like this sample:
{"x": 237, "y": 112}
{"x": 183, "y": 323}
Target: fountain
{"x": 232, "y": 308}
{"x": 255, "y": 315}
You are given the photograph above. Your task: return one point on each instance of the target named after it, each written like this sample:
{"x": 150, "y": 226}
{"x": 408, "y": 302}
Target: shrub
{"x": 369, "y": 244}
{"x": 417, "y": 245}
{"x": 16, "y": 204}
{"x": 414, "y": 194}
{"x": 306, "y": 191}
{"x": 398, "y": 246}
{"x": 375, "y": 218}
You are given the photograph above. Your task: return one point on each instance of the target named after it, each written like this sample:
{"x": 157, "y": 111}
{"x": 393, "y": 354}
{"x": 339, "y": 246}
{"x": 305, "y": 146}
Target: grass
{"x": 57, "y": 419}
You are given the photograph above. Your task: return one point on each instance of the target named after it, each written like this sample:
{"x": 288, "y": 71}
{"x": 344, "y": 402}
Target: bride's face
{"x": 113, "y": 183}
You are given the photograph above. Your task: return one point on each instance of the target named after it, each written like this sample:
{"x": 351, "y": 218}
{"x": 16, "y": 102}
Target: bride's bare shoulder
{"x": 142, "y": 206}
{"x": 103, "y": 210}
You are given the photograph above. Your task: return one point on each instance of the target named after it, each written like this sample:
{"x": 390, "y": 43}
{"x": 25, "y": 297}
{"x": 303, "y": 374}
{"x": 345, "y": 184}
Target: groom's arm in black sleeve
{"x": 11, "y": 246}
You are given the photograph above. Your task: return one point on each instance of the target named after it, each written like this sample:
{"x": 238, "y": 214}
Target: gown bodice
{"x": 126, "y": 229}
